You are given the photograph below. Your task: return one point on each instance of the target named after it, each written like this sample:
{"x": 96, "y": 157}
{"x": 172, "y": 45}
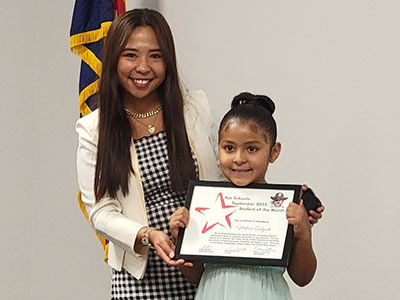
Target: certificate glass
{"x": 238, "y": 225}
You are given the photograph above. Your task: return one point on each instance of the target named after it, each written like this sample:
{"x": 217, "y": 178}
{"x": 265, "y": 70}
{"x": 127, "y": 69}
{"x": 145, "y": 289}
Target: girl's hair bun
{"x": 250, "y": 99}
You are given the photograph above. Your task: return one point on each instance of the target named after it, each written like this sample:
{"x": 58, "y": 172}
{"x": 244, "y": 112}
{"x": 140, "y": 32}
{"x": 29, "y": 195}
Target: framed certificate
{"x": 239, "y": 225}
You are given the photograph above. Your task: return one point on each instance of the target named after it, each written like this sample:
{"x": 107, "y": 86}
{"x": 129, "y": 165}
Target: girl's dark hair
{"x": 247, "y": 107}
{"x": 114, "y": 164}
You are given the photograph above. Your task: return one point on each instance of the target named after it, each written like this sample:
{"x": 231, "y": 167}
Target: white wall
{"x": 16, "y": 143}
{"x": 47, "y": 249}
{"x": 330, "y": 66}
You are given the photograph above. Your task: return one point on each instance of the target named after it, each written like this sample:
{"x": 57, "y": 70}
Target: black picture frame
{"x": 282, "y": 261}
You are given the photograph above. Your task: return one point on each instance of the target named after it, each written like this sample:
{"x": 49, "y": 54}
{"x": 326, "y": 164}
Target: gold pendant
{"x": 151, "y": 128}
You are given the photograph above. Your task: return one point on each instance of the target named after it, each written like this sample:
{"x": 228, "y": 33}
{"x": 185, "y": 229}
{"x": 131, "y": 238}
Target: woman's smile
{"x": 141, "y": 67}
{"x": 142, "y": 82}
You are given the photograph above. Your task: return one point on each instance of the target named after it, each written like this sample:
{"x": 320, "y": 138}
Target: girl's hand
{"x": 296, "y": 215}
{"x": 165, "y": 248}
{"x": 180, "y": 218}
{"x": 314, "y": 216}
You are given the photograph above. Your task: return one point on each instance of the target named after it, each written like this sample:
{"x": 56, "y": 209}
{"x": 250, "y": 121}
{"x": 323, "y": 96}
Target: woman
{"x": 137, "y": 153}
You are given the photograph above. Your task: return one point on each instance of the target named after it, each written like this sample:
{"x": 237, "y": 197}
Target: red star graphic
{"x": 215, "y": 213}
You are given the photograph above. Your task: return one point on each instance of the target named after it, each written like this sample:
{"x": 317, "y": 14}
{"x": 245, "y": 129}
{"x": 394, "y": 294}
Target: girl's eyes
{"x": 228, "y": 148}
{"x": 252, "y": 149}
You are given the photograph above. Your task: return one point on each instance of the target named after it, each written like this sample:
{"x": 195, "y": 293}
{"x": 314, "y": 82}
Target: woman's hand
{"x": 165, "y": 248}
{"x": 314, "y": 216}
{"x": 180, "y": 218}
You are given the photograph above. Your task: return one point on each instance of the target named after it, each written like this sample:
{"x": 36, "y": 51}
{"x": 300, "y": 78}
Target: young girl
{"x": 247, "y": 144}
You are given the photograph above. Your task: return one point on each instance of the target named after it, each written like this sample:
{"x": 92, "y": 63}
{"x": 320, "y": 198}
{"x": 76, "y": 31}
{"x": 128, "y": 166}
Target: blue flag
{"x": 90, "y": 22}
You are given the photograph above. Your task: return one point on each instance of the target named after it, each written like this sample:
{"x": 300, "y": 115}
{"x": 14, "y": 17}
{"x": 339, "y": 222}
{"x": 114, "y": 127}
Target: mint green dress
{"x": 228, "y": 282}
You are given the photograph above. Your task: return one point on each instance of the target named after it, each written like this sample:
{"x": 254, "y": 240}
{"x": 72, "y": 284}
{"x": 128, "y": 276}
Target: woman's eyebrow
{"x": 134, "y": 49}
{"x": 130, "y": 49}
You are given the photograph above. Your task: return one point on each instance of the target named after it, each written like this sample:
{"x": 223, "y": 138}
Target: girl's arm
{"x": 302, "y": 263}
{"x": 180, "y": 218}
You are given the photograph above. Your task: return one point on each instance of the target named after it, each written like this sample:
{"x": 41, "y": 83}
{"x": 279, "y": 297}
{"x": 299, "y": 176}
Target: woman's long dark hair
{"x": 114, "y": 165}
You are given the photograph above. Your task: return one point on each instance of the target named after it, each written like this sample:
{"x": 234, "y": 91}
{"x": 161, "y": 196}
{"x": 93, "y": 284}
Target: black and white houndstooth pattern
{"x": 160, "y": 281}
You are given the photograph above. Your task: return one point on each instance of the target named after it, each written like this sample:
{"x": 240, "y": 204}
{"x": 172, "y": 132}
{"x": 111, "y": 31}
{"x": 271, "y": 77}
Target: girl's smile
{"x": 245, "y": 153}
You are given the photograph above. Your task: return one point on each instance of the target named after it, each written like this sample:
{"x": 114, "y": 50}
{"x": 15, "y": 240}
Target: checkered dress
{"x": 160, "y": 280}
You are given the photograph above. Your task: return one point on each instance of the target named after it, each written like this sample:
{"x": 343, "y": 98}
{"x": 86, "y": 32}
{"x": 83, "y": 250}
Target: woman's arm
{"x": 106, "y": 215}
{"x": 302, "y": 263}
{"x": 313, "y": 216}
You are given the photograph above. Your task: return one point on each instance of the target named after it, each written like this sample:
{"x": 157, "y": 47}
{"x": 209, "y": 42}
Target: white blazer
{"x": 120, "y": 220}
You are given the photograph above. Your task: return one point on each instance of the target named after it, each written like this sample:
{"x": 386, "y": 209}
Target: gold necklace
{"x": 150, "y": 127}
{"x": 145, "y": 115}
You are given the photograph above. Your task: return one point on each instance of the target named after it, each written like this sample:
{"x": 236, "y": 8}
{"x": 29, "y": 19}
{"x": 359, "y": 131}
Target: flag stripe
{"x": 89, "y": 36}
{"x": 119, "y": 7}
{"x": 88, "y": 57}
{"x": 87, "y": 92}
